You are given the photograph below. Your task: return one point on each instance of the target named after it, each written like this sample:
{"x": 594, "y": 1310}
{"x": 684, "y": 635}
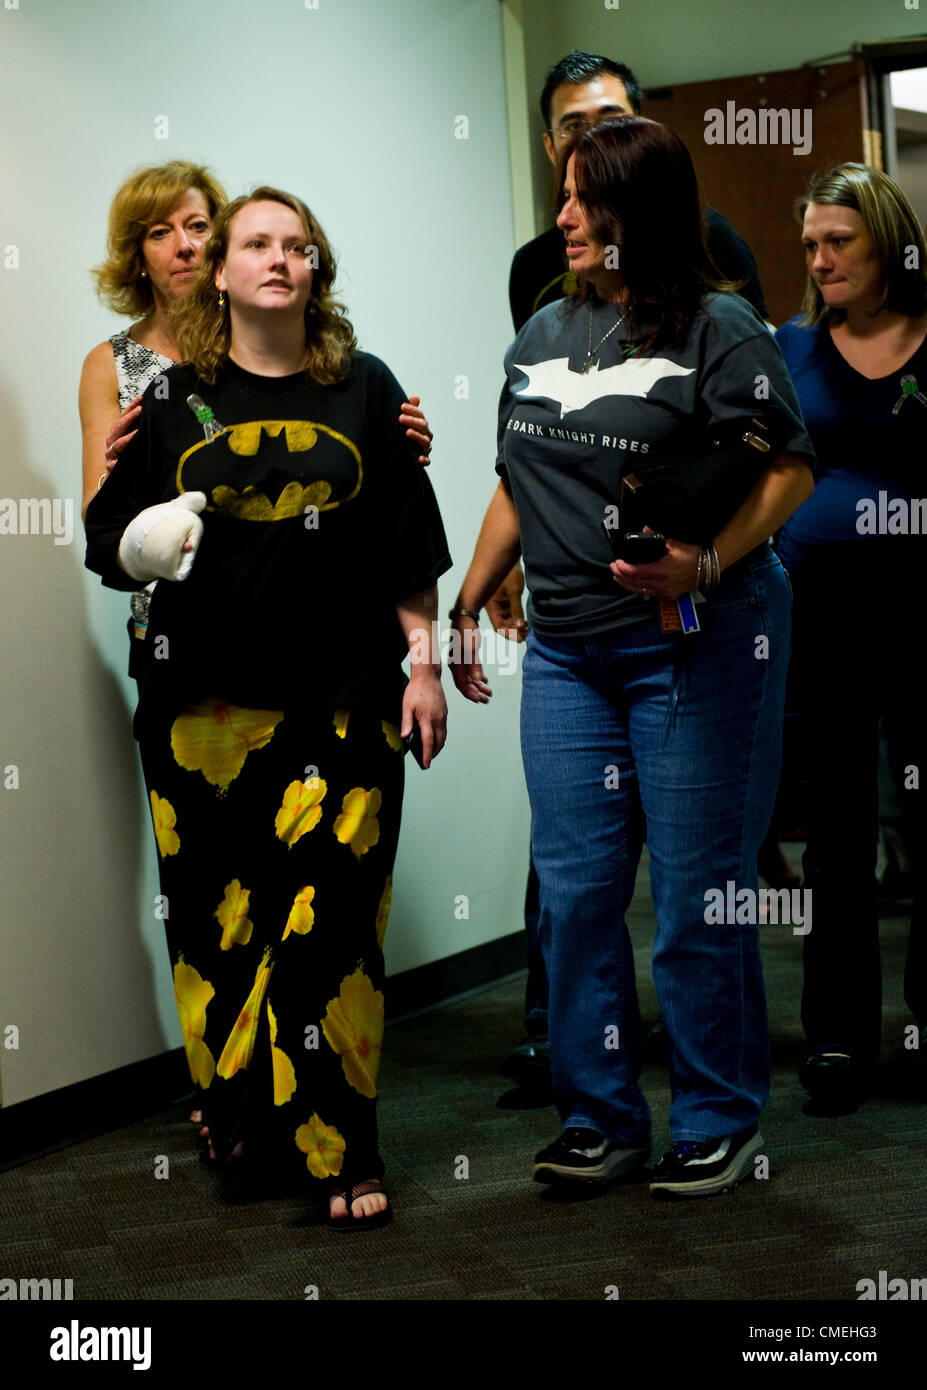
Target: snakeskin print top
{"x": 136, "y": 366}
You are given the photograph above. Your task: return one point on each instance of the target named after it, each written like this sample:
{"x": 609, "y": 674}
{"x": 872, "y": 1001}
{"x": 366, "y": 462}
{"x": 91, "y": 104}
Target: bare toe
{"x": 369, "y": 1204}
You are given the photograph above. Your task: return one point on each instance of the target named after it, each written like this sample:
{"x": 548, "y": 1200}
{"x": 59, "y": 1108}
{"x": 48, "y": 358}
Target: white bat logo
{"x": 573, "y": 390}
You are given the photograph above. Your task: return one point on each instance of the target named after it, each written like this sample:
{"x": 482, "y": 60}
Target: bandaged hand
{"x": 152, "y": 546}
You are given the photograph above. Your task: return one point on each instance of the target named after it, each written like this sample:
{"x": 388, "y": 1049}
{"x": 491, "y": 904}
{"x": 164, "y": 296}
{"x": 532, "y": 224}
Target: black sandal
{"x": 225, "y": 1157}
{"x": 349, "y": 1194}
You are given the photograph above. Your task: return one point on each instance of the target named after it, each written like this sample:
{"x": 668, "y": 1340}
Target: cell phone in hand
{"x": 413, "y": 744}
{"x": 636, "y": 547}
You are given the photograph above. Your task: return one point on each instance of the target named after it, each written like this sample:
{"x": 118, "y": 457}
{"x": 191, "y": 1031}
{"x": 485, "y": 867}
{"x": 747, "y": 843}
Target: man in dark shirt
{"x": 581, "y": 90}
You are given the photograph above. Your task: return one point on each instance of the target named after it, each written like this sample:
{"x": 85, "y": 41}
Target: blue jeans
{"x": 685, "y": 732}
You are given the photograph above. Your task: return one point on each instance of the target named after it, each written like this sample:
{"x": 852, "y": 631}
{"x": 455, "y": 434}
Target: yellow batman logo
{"x": 301, "y": 435}
{"x": 252, "y": 503}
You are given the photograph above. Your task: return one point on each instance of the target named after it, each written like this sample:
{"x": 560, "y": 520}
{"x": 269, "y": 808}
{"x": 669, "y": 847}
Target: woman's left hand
{"x": 417, "y": 428}
{"x": 676, "y": 573}
{"x": 424, "y": 704}
{"x": 124, "y": 430}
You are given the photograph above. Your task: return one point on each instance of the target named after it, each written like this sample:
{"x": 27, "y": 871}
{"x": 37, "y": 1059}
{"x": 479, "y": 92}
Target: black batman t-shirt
{"x": 567, "y": 437}
{"x": 319, "y": 518}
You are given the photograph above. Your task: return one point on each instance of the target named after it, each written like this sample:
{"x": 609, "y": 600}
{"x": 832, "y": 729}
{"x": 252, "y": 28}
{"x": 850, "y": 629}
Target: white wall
{"x": 352, "y": 106}
{"x": 666, "y": 41}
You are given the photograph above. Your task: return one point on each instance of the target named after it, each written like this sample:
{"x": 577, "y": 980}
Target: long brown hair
{"x": 639, "y": 191}
{"x": 204, "y": 330}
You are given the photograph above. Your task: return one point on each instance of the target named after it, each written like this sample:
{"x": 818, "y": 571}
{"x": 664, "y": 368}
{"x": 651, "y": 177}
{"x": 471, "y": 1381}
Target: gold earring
{"x": 221, "y": 299}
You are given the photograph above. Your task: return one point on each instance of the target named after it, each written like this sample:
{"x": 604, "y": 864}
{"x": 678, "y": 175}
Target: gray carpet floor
{"x": 845, "y": 1197}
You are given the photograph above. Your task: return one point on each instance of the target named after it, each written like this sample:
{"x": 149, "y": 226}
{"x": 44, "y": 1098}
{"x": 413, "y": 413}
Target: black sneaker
{"x": 584, "y": 1155}
{"x": 701, "y": 1170}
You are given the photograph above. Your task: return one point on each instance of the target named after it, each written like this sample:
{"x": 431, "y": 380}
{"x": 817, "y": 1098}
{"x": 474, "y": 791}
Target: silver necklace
{"x": 591, "y": 361}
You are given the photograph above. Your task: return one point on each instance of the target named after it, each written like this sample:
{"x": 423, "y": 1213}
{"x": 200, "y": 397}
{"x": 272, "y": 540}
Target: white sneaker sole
{"x": 740, "y": 1167}
{"x": 613, "y": 1165}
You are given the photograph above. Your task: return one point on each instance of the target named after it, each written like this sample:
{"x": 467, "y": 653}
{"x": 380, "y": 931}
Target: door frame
{"x": 882, "y": 59}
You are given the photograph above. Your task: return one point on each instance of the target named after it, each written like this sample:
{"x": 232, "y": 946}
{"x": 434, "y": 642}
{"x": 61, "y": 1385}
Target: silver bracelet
{"x": 708, "y": 560}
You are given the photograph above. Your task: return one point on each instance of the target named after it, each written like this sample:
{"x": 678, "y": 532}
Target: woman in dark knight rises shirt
{"x": 641, "y": 702}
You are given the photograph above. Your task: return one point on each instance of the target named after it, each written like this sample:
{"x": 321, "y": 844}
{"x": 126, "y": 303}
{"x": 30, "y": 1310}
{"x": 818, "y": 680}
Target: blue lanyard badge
{"x": 678, "y": 614}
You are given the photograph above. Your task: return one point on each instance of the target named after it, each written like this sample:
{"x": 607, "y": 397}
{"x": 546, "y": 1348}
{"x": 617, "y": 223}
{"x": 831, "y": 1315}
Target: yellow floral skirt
{"x": 276, "y": 834}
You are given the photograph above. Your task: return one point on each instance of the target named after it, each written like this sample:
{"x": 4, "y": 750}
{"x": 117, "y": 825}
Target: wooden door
{"x": 755, "y": 184}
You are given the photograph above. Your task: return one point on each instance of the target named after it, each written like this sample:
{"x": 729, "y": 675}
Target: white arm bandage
{"x": 152, "y": 544}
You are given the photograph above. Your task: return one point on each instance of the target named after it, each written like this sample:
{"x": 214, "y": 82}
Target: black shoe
{"x": 835, "y": 1082}
{"x": 530, "y": 1061}
{"x": 691, "y": 1169}
{"x": 823, "y": 1070}
{"x": 584, "y": 1155}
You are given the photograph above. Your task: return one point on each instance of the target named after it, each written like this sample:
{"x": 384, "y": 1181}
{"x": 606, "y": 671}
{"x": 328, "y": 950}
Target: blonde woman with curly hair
{"x": 273, "y": 714}
{"x": 159, "y": 222}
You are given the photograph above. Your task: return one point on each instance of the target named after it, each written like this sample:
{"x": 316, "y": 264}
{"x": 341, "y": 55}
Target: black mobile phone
{"x": 414, "y": 744}
{"x": 636, "y": 547}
